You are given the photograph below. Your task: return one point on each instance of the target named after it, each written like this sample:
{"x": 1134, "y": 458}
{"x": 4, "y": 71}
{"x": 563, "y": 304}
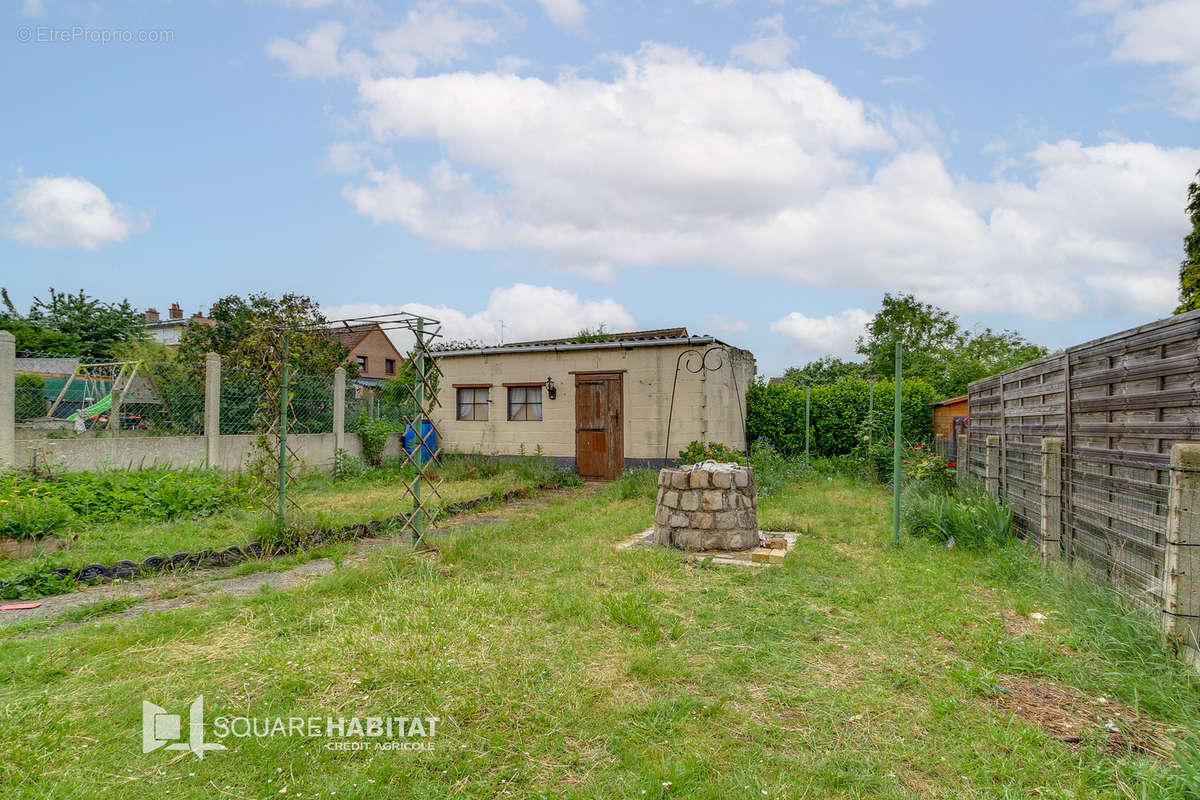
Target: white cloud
{"x": 647, "y": 168}
{"x": 1164, "y": 33}
{"x": 431, "y": 33}
{"x": 726, "y": 324}
{"x": 835, "y": 334}
{"x": 771, "y": 47}
{"x": 67, "y": 212}
{"x": 33, "y": 8}
{"x": 527, "y": 312}
{"x": 317, "y": 56}
{"x": 566, "y": 13}
{"x": 880, "y": 33}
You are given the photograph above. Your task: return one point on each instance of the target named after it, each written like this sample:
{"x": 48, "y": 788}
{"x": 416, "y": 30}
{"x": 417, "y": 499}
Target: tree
{"x": 245, "y": 334}
{"x": 72, "y": 324}
{"x": 937, "y": 349}
{"x": 986, "y": 352}
{"x": 829, "y": 369}
{"x": 928, "y": 334}
{"x": 1189, "y": 268}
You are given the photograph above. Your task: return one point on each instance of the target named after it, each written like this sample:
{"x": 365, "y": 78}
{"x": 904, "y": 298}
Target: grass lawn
{"x": 561, "y": 667}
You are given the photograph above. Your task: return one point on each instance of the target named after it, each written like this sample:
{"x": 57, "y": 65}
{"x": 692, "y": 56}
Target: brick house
{"x": 371, "y": 349}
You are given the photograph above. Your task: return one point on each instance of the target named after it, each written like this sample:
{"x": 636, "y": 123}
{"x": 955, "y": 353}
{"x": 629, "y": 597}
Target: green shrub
{"x": 970, "y": 518}
{"x": 30, "y": 400}
{"x": 373, "y": 434}
{"x": 346, "y": 466}
{"x": 31, "y": 516}
{"x": 697, "y": 451}
{"x": 838, "y": 415}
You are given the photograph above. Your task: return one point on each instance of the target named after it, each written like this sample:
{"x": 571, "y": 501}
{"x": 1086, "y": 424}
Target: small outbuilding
{"x": 627, "y": 399}
{"x": 948, "y": 417}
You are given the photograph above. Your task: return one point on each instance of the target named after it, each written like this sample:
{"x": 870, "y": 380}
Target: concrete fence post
{"x": 962, "y": 456}
{"x": 992, "y": 473}
{"x": 1181, "y": 573}
{"x": 339, "y": 411}
{"x": 117, "y": 392}
{"x": 212, "y": 410}
{"x": 8, "y": 390}
{"x": 1051, "y": 544}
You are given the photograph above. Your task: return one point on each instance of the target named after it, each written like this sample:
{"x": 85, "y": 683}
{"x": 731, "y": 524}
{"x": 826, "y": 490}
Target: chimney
{"x": 198, "y": 315}
{"x": 176, "y": 311}
{"x": 151, "y": 315}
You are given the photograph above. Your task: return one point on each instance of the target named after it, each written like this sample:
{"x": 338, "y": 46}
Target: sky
{"x": 759, "y": 171}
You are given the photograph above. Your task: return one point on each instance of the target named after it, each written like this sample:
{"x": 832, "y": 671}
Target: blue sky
{"x": 762, "y": 171}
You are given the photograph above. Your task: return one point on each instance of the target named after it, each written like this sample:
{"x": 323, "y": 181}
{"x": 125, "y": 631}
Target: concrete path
{"x": 169, "y": 591}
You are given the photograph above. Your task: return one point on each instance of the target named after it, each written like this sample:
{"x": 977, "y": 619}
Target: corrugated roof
{"x": 627, "y": 336}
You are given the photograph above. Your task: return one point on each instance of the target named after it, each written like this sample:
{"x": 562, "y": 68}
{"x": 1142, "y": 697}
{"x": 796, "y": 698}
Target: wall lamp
{"x": 551, "y": 389}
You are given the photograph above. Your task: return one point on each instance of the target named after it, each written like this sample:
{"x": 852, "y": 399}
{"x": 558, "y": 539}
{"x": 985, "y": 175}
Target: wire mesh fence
{"x": 81, "y": 395}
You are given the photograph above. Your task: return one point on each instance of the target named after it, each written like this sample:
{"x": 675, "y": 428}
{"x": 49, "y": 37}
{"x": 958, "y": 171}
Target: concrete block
{"x": 765, "y": 555}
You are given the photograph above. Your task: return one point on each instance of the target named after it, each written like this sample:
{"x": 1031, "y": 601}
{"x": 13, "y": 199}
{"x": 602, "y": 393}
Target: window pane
{"x": 535, "y": 411}
{"x": 465, "y": 410}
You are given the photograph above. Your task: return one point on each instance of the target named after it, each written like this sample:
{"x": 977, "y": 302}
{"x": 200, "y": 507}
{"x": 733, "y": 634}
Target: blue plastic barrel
{"x": 428, "y": 435}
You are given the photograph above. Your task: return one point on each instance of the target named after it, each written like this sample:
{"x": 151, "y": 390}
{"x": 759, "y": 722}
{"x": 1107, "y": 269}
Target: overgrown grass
{"x": 968, "y": 517}
{"x": 562, "y": 667}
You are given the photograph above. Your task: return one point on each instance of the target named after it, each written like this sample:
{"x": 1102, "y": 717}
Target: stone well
{"x": 707, "y": 506}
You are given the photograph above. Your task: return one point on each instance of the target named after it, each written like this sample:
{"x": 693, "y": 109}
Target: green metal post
{"x": 283, "y": 418}
{"x": 807, "y": 409}
{"x": 898, "y": 445}
{"x": 418, "y": 433}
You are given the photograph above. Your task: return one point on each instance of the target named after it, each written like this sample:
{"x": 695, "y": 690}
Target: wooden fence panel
{"x": 1119, "y": 403}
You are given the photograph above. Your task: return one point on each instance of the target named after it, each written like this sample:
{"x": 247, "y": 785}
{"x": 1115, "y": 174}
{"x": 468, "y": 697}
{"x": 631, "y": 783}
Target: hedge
{"x": 775, "y": 412}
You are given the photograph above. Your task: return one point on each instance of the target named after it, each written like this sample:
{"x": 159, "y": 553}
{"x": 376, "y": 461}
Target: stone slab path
{"x": 170, "y": 591}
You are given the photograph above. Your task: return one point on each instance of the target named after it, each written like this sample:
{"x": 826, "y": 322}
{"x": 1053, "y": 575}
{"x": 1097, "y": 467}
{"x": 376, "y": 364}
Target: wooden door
{"x": 599, "y": 445}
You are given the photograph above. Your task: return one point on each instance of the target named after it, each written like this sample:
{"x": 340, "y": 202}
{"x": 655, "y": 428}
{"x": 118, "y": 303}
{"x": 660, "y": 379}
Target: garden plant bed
{"x": 183, "y": 561}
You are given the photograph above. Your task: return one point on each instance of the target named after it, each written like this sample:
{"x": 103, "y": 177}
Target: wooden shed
{"x": 944, "y": 414}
